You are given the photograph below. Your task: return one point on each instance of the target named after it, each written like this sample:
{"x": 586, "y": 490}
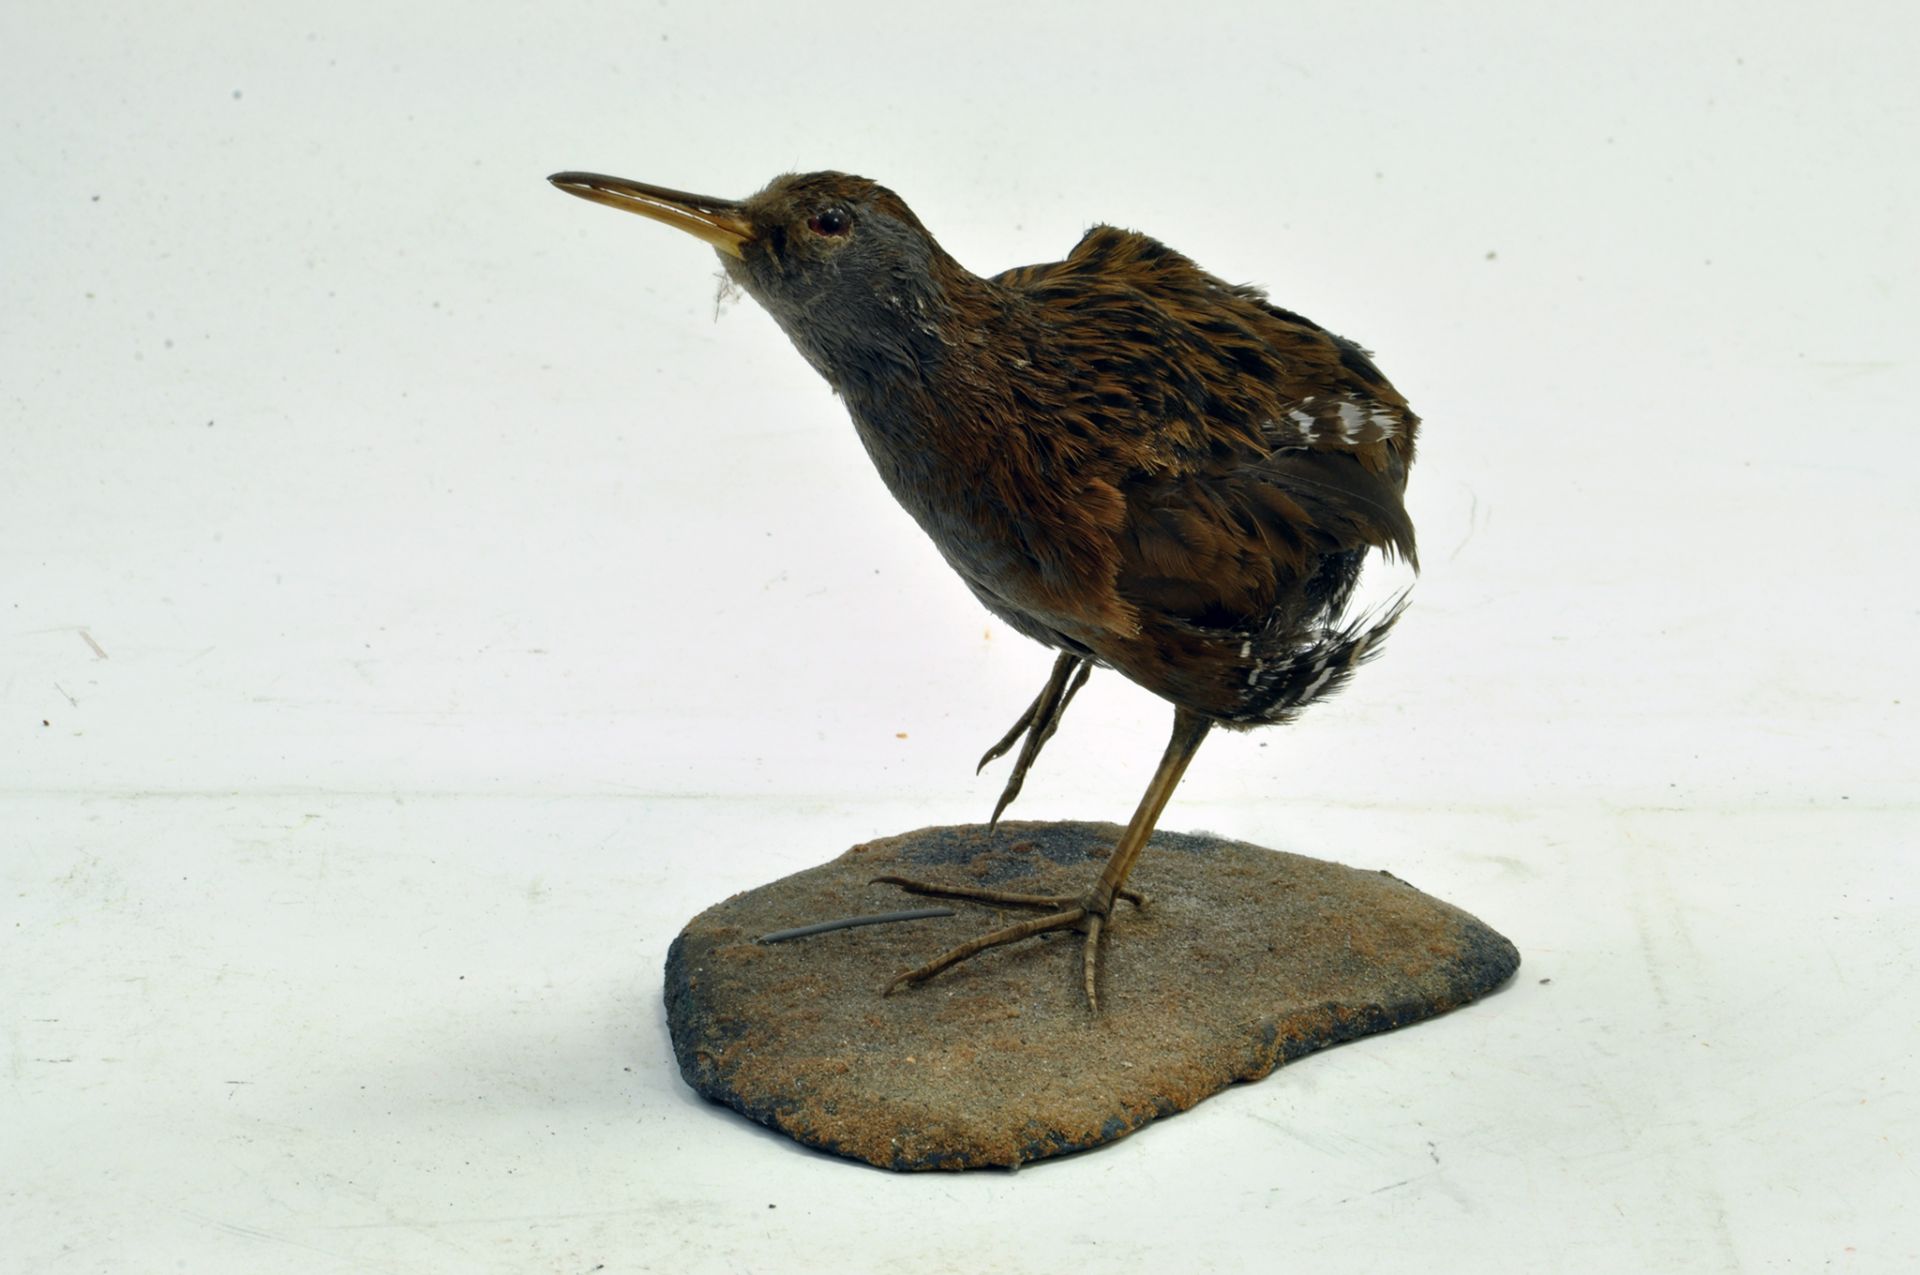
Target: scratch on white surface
{"x": 65, "y": 696}
{"x": 498, "y": 1219}
{"x": 1512, "y": 864}
{"x": 1848, "y": 369}
{"x": 1473, "y": 523}
{"x": 98, "y": 650}
{"x": 254, "y": 1233}
{"x": 1650, "y": 959}
{"x": 1394, "y": 1186}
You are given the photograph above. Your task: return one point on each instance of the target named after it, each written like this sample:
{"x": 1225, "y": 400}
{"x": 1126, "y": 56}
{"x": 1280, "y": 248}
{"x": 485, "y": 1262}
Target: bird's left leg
{"x": 1038, "y": 723}
{"x": 1086, "y": 913}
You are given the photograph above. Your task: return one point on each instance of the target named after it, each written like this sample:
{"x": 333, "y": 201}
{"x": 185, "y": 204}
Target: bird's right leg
{"x": 1038, "y": 723}
{"x": 1087, "y": 913}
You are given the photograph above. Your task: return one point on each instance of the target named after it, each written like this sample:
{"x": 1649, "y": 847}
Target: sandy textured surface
{"x": 1243, "y": 959}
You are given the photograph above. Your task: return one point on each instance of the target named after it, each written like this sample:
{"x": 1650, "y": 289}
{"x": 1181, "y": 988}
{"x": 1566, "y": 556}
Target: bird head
{"x": 840, "y": 262}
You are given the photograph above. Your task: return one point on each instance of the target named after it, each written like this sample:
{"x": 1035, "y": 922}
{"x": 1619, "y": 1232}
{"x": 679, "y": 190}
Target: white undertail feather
{"x": 1277, "y": 689}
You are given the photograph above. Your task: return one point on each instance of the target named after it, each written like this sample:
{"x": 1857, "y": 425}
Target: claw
{"x": 1038, "y": 723}
{"x": 1090, "y": 959}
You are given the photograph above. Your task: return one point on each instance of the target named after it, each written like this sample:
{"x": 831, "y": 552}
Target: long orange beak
{"x": 718, "y": 221}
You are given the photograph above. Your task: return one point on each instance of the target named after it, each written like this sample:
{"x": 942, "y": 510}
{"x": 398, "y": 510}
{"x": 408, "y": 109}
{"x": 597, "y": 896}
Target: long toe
{"x": 980, "y": 893}
{"x": 1071, "y": 918}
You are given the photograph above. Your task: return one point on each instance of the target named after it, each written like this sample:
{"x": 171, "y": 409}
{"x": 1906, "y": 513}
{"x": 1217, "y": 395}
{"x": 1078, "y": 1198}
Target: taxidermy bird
{"x": 1125, "y": 458}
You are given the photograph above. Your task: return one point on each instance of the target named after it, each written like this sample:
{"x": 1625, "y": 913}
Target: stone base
{"x": 1243, "y": 959}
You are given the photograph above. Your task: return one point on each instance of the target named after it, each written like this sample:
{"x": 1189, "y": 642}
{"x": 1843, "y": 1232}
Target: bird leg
{"x": 1086, "y": 913}
{"x": 1038, "y": 723}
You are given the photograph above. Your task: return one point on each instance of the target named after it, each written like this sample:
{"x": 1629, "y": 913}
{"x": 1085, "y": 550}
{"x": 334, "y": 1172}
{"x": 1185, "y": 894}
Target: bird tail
{"x": 1279, "y": 687}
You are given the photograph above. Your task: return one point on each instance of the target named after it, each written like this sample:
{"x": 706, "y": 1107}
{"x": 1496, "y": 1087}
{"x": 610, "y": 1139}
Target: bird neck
{"x": 902, "y": 332}
{"x": 945, "y": 424}
{"x": 916, "y": 375}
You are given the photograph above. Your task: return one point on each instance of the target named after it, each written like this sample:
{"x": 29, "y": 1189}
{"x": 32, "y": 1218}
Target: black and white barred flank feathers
{"x": 1279, "y": 686}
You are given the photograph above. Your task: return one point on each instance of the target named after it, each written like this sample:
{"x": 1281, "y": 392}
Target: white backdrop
{"x": 420, "y": 597}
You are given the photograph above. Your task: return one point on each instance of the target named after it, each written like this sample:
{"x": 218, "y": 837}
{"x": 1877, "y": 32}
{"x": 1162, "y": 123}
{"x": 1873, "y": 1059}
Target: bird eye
{"x": 829, "y": 221}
